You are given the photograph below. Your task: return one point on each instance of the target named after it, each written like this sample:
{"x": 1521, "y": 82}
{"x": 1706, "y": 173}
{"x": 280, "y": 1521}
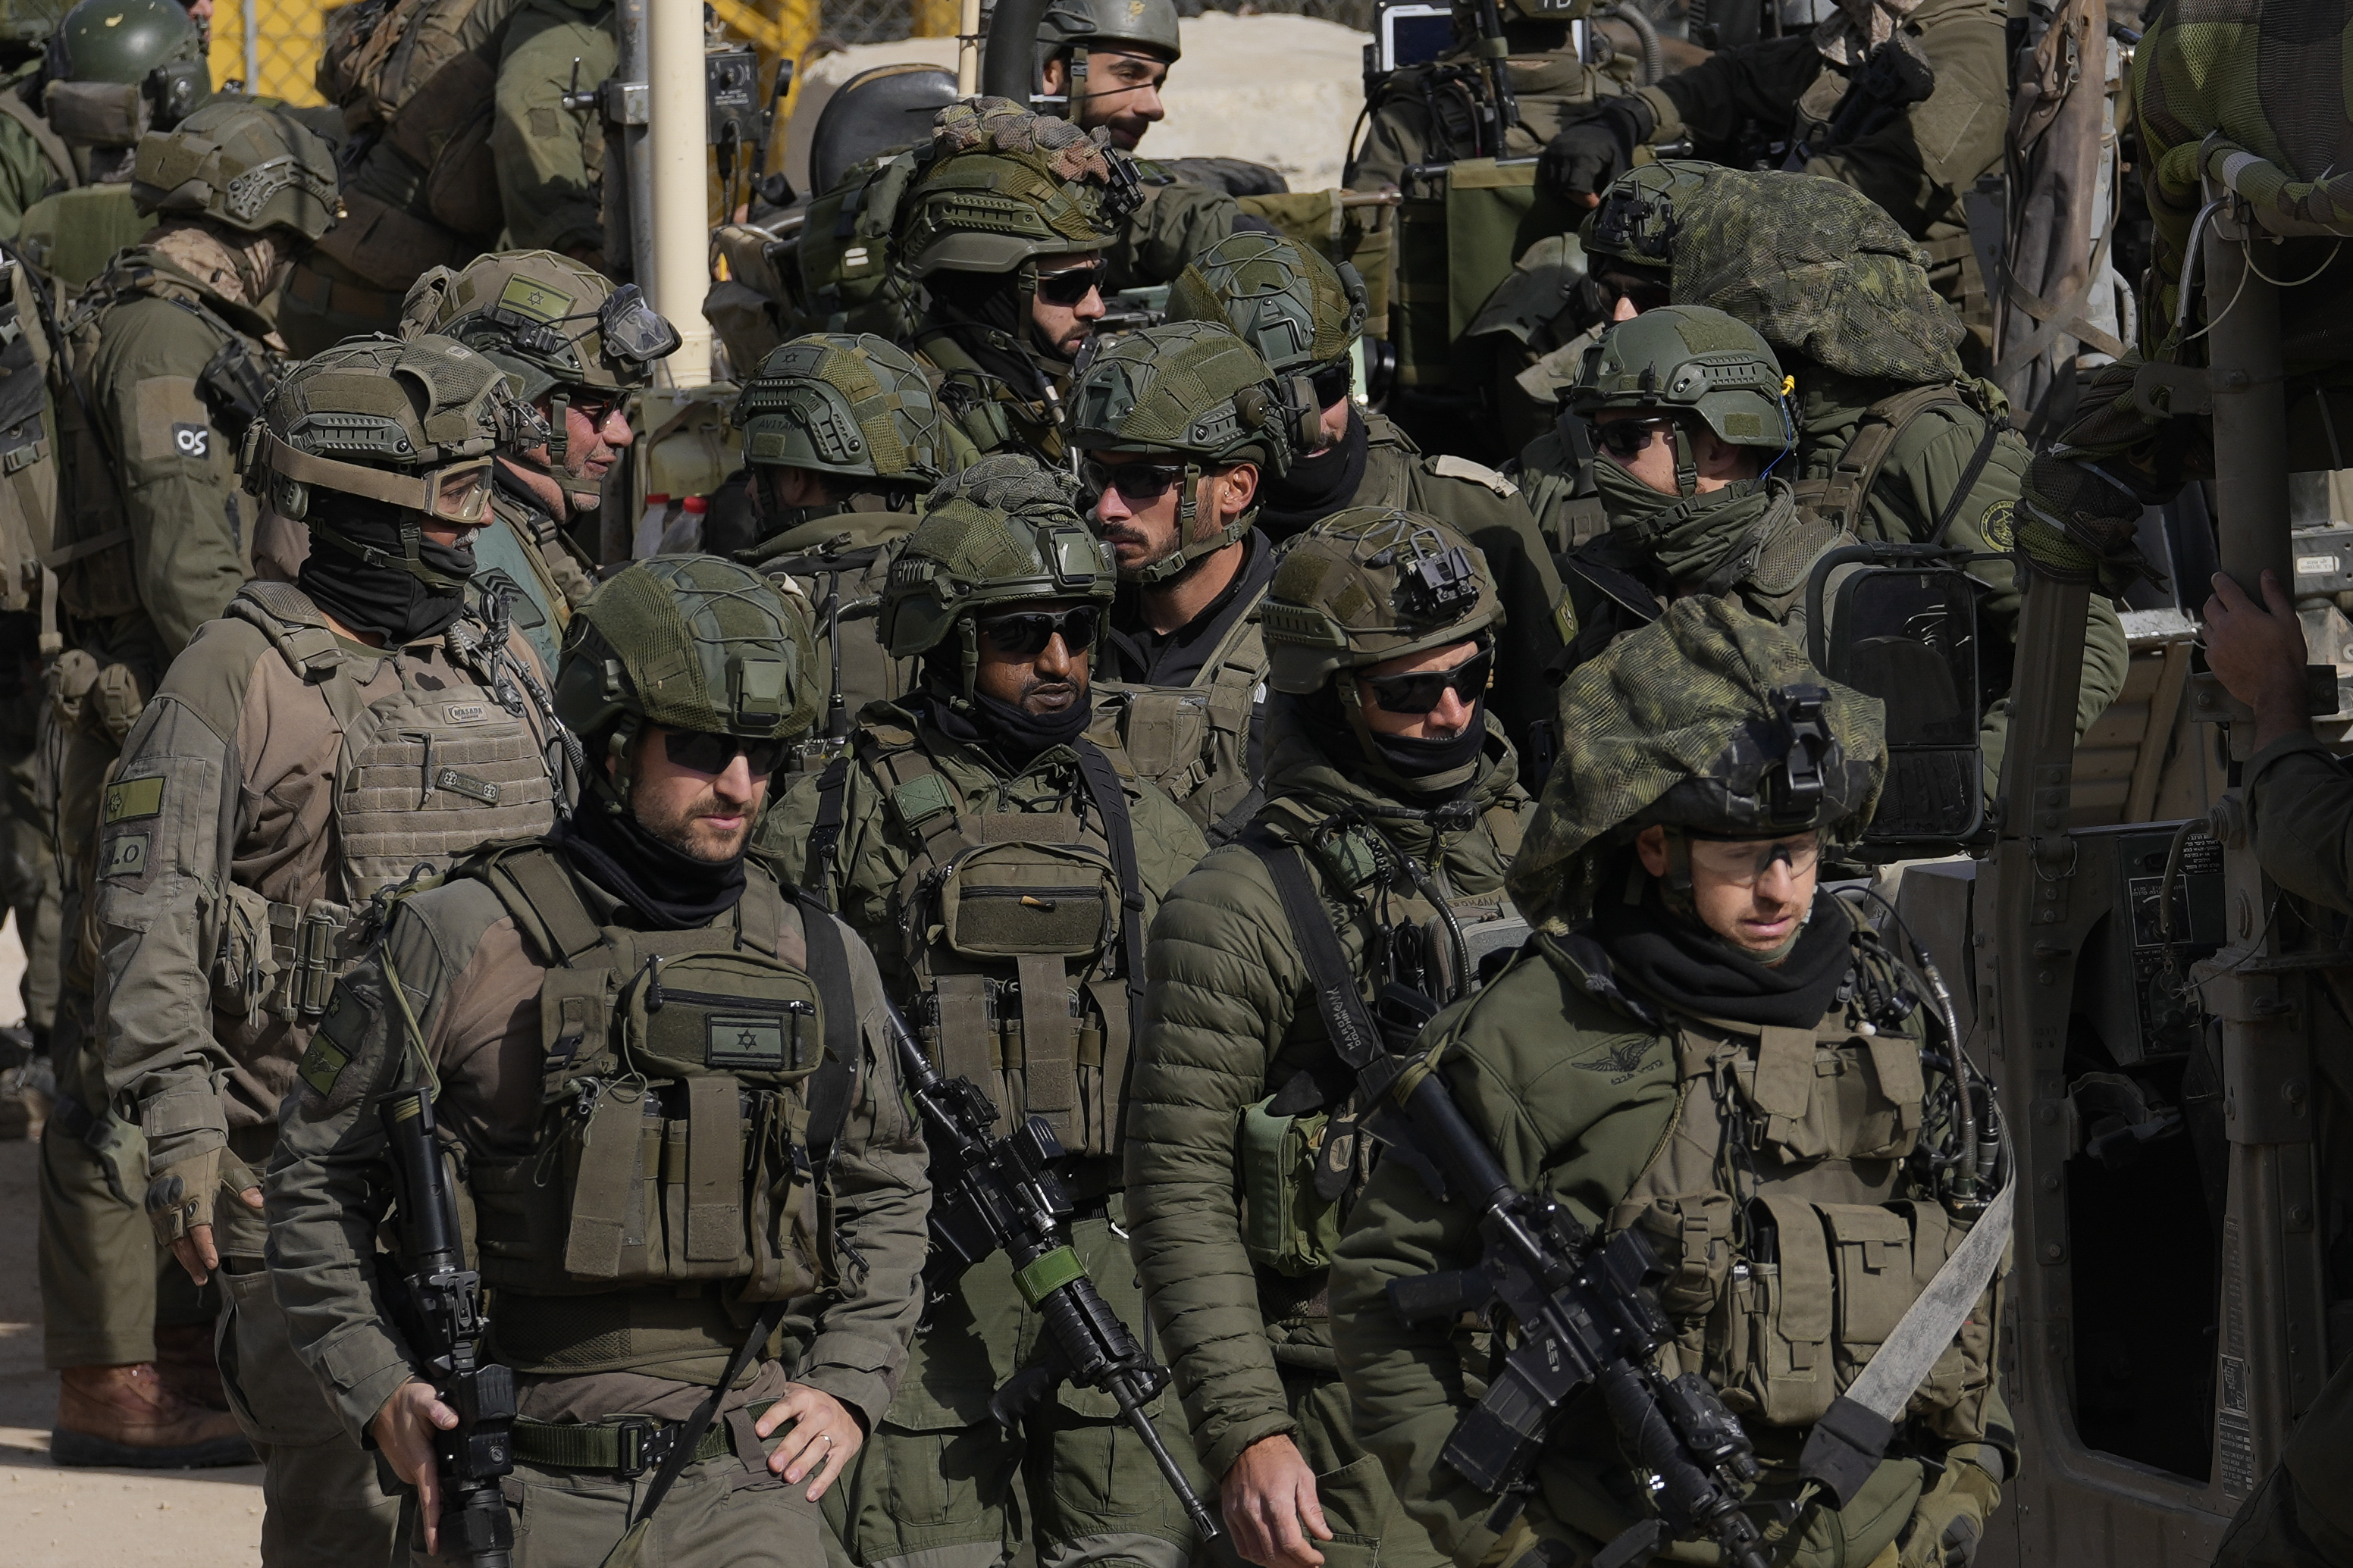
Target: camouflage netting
{"x": 1689, "y": 696}
{"x": 1859, "y": 27}
{"x": 1001, "y": 125}
{"x": 704, "y": 645}
{"x": 1009, "y": 483}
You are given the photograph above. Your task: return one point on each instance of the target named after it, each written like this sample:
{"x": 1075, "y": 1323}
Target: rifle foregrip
{"x": 1689, "y": 1498}
{"x": 1434, "y": 1296}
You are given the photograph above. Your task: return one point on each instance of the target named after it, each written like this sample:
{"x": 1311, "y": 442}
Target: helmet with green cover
{"x": 1001, "y": 532}
{"x": 119, "y": 67}
{"x": 690, "y": 642}
{"x": 1686, "y": 361}
{"x": 1007, "y": 187}
{"x": 410, "y": 425}
{"x": 1636, "y": 221}
{"x": 1710, "y": 722}
{"x": 1195, "y": 391}
{"x": 1301, "y": 312}
{"x": 245, "y": 165}
{"x": 550, "y": 322}
{"x": 851, "y": 405}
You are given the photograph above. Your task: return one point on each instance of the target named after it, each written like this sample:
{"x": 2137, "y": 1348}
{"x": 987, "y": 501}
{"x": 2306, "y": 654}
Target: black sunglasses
{"x": 1423, "y": 689}
{"x": 1624, "y": 438}
{"x": 1026, "y": 633}
{"x": 704, "y": 753}
{"x": 1072, "y": 285}
{"x": 1136, "y": 482}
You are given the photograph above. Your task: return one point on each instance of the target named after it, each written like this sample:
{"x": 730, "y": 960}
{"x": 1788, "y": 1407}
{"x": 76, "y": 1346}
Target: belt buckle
{"x": 644, "y": 1443}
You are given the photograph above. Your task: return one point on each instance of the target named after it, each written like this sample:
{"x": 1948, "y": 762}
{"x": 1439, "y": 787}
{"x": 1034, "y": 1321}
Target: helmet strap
{"x": 621, "y": 746}
{"x": 559, "y": 440}
{"x": 1675, "y": 885}
{"x": 968, "y": 640}
{"x": 1075, "y": 86}
{"x": 410, "y": 560}
{"x": 1686, "y": 461}
{"x": 1188, "y": 553}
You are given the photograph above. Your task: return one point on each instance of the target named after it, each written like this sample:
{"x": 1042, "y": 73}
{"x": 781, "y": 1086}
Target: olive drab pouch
{"x": 1019, "y": 899}
{"x": 245, "y": 972}
{"x": 28, "y": 473}
{"x": 1831, "y": 1091}
{"x": 1287, "y": 1225}
{"x": 846, "y": 271}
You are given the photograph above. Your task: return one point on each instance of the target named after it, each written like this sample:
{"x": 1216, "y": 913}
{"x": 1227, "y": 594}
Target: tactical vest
{"x": 987, "y": 411}
{"x": 1194, "y": 740}
{"x": 1781, "y": 1296}
{"x": 424, "y": 777}
{"x": 692, "y": 1087}
{"x": 844, "y": 258}
{"x": 28, "y": 466}
{"x": 1024, "y": 930}
{"x": 72, "y": 235}
{"x": 1301, "y": 1160}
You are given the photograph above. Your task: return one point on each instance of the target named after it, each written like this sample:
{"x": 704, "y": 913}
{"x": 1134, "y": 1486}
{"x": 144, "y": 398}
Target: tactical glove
{"x": 180, "y": 1195}
{"x": 1585, "y": 157}
{"x": 2076, "y": 520}
{"x": 1950, "y": 1519}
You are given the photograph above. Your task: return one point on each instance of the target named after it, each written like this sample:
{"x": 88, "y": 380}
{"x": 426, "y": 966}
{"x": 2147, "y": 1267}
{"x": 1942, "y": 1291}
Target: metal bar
{"x": 2242, "y": 314}
{"x": 679, "y": 197}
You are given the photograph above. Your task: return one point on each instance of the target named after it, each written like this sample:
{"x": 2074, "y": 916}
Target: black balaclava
{"x": 384, "y": 600}
{"x": 671, "y": 890}
{"x": 1677, "y": 959}
{"x": 1017, "y": 734}
{"x": 987, "y": 313}
{"x": 1316, "y": 486}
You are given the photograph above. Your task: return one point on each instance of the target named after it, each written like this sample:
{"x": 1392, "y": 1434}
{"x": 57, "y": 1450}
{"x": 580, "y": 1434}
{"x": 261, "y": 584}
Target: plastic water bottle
{"x": 647, "y": 541}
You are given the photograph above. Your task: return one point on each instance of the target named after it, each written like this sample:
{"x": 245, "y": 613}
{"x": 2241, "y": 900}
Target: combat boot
{"x": 185, "y": 1361}
{"x": 125, "y": 1417}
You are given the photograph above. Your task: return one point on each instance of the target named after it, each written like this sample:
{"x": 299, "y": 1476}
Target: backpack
{"x": 421, "y": 75}
{"x": 845, "y": 261}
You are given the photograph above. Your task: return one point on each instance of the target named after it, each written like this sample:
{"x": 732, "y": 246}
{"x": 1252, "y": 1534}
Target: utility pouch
{"x": 1287, "y": 1226}
{"x": 1812, "y": 1095}
{"x": 245, "y": 966}
{"x": 1027, "y": 900}
{"x": 95, "y": 113}
{"x": 1692, "y": 1234}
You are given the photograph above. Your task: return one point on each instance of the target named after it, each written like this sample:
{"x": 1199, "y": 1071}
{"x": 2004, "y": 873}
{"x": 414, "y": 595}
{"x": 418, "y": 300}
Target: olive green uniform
{"x": 940, "y": 1483}
{"x": 524, "y": 541}
{"x": 551, "y": 159}
{"x": 463, "y": 958}
{"x": 33, "y": 160}
{"x": 1404, "y": 131}
{"x": 1236, "y": 1269}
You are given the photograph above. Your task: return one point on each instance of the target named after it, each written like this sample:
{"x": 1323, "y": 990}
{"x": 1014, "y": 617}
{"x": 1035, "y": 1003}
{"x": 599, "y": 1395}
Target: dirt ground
{"x": 68, "y": 1518}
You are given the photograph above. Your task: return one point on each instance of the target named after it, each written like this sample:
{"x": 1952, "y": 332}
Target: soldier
{"x": 1182, "y": 425}
{"x": 953, "y": 808}
{"x": 1903, "y": 100}
{"x": 842, "y": 439}
{"x": 1305, "y": 316}
{"x": 686, "y": 678}
{"x": 1006, "y": 233}
{"x": 1635, "y": 1060}
{"x": 551, "y": 159}
{"x": 118, "y": 68}
{"x": 576, "y": 346}
{"x": 1388, "y": 787}
{"x": 322, "y": 742}
{"x": 1440, "y": 112}
{"x": 162, "y": 372}
{"x": 33, "y": 160}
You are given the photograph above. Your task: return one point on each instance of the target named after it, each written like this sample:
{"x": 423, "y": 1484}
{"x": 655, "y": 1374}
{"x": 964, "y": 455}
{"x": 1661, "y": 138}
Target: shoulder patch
{"x": 1564, "y": 618}
{"x": 1450, "y": 467}
{"x": 1997, "y": 526}
{"x": 130, "y": 798}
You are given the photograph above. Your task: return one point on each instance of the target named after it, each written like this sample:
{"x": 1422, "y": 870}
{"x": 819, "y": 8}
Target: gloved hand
{"x": 1586, "y": 156}
{"x": 2076, "y": 520}
{"x": 1948, "y": 1520}
{"x": 180, "y": 1195}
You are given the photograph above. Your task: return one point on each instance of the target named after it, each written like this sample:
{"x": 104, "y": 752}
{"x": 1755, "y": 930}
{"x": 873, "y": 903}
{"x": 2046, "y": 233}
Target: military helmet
{"x": 1640, "y": 214}
{"x": 118, "y": 68}
{"x": 245, "y": 165}
{"x": 1688, "y": 359}
{"x": 841, "y": 403}
{"x": 1301, "y": 312}
{"x": 1370, "y": 584}
{"x": 1001, "y": 532}
{"x": 1068, "y": 24}
{"x": 688, "y": 642}
{"x": 1007, "y": 186}
{"x": 545, "y": 320}
{"x": 411, "y": 425}
{"x": 1708, "y": 719}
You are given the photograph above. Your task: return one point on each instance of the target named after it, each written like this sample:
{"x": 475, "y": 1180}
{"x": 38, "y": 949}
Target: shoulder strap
{"x": 539, "y": 894}
{"x": 1346, "y": 1018}
{"x": 1841, "y": 497}
{"x": 52, "y": 145}
{"x": 824, "y": 838}
{"x": 1111, "y": 800}
{"x": 1969, "y": 480}
{"x": 829, "y": 1086}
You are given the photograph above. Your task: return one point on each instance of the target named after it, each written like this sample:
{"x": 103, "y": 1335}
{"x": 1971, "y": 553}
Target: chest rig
{"x": 1416, "y": 948}
{"x": 1025, "y": 931}
{"x": 1194, "y": 740}
{"x": 1794, "y": 1205}
{"x": 692, "y": 1085}
{"x": 423, "y": 775}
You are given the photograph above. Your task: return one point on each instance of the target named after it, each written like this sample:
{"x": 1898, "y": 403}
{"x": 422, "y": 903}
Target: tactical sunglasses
{"x": 1140, "y": 482}
{"x": 1420, "y": 691}
{"x": 703, "y": 753}
{"x": 1072, "y": 285}
{"x": 1741, "y": 861}
{"x": 1025, "y": 633}
{"x": 1625, "y": 437}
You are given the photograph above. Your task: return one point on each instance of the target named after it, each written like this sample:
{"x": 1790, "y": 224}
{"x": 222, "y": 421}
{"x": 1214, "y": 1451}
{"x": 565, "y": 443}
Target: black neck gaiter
{"x": 1683, "y": 962}
{"x": 670, "y": 889}
{"x": 1017, "y": 734}
{"x": 1327, "y": 723}
{"x": 1316, "y": 486}
{"x": 383, "y": 600}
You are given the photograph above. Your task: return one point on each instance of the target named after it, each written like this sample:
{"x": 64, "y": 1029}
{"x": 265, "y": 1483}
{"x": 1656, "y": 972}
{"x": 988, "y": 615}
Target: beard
{"x": 689, "y": 828}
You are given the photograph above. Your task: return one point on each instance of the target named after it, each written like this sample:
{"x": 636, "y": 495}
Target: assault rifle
{"x": 1588, "y": 1312}
{"x": 991, "y": 1192}
{"x": 1502, "y": 111}
{"x": 439, "y": 1307}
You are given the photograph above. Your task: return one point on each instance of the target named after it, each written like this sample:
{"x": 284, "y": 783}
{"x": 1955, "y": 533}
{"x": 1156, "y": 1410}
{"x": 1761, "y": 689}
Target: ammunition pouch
{"x": 1287, "y": 1225}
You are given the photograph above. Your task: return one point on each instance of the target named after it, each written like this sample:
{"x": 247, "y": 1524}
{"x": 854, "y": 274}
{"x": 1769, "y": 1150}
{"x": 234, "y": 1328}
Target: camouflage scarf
{"x": 1695, "y": 540}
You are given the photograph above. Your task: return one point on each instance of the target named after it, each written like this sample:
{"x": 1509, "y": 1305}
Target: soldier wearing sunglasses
{"x": 1390, "y": 791}
{"x": 575, "y": 347}
{"x": 1304, "y": 315}
{"x": 1003, "y": 868}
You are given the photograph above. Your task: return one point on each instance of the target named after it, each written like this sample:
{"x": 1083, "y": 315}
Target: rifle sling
{"x": 689, "y": 1433}
{"x": 1111, "y": 801}
{"x": 1346, "y": 1018}
{"x": 831, "y": 1086}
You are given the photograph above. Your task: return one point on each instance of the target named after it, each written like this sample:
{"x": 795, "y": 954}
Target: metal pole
{"x": 626, "y": 120}
{"x": 679, "y": 195}
{"x": 253, "y": 46}
{"x": 968, "y": 48}
{"x": 2250, "y": 406}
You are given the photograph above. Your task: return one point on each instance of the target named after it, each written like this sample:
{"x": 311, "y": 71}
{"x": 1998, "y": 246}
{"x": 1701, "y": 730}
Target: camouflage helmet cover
{"x": 1007, "y": 186}
{"x": 541, "y": 317}
{"x": 242, "y": 165}
{"x": 1286, "y": 300}
{"x": 1370, "y": 584}
{"x": 1149, "y": 22}
{"x": 1002, "y": 532}
{"x": 688, "y": 642}
{"x": 1708, "y": 718}
{"x": 844, "y": 404}
{"x": 1688, "y": 359}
